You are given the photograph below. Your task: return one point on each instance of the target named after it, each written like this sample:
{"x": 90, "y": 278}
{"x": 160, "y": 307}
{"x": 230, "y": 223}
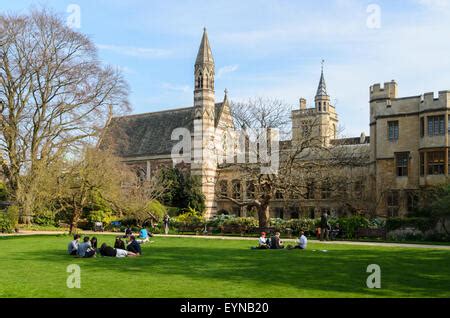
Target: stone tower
{"x": 205, "y": 164}
{"x": 318, "y": 124}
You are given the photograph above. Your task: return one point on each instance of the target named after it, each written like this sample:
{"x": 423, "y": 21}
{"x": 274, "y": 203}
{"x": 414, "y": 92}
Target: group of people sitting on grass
{"x": 89, "y": 247}
{"x": 275, "y": 242}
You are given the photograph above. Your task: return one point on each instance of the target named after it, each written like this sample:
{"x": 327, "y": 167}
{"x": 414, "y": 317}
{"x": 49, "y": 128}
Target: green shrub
{"x": 280, "y": 225}
{"x": 156, "y": 208}
{"x": 9, "y": 219}
{"x": 422, "y": 224}
{"x": 297, "y": 225}
{"x": 191, "y": 218}
{"x": 351, "y": 224}
{"x": 3, "y": 192}
{"x": 44, "y": 218}
{"x": 219, "y": 220}
{"x": 242, "y": 222}
{"x": 100, "y": 216}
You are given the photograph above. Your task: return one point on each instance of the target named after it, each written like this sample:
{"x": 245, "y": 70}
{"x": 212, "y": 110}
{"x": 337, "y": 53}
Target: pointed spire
{"x": 225, "y": 97}
{"x": 204, "y": 52}
{"x": 322, "y": 89}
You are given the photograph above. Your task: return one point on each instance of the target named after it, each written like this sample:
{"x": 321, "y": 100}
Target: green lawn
{"x": 35, "y": 266}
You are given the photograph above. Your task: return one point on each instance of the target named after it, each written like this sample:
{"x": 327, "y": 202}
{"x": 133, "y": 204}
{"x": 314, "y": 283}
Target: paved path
{"x": 215, "y": 237}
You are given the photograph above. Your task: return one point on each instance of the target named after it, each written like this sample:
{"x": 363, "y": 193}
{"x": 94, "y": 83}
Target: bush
{"x": 219, "y": 220}
{"x": 243, "y": 222}
{"x": 406, "y": 235}
{"x": 44, "y": 218}
{"x": 280, "y": 225}
{"x": 351, "y": 224}
{"x": 422, "y": 224}
{"x": 156, "y": 208}
{"x": 100, "y": 216}
{"x": 191, "y": 218}
{"x": 3, "y": 192}
{"x": 9, "y": 219}
{"x": 297, "y": 225}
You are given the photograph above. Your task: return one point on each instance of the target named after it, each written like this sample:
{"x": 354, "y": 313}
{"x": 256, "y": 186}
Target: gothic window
{"x": 412, "y": 201}
{"x": 223, "y": 188}
{"x": 436, "y": 125}
{"x": 326, "y": 190}
{"x": 393, "y": 130}
{"x": 279, "y": 213}
{"x": 236, "y": 189}
{"x": 200, "y": 80}
{"x": 279, "y": 195}
{"x": 250, "y": 190}
{"x": 422, "y": 164}
{"x": 392, "y": 203}
{"x": 310, "y": 190}
{"x": 422, "y": 127}
{"x": 436, "y": 162}
{"x": 401, "y": 164}
{"x": 206, "y": 81}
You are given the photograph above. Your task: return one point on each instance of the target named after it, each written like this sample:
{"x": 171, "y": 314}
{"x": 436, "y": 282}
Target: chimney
{"x": 302, "y": 103}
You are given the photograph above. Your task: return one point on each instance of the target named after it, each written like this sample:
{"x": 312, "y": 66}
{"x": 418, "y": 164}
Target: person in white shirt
{"x": 302, "y": 241}
{"x": 262, "y": 241}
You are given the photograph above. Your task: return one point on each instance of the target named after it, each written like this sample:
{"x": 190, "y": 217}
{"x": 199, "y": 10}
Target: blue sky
{"x": 268, "y": 48}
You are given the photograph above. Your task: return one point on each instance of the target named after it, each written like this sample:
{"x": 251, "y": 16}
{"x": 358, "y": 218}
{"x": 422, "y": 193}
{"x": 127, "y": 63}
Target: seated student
{"x": 302, "y": 241}
{"x": 73, "y": 245}
{"x": 134, "y": 246}
{"x": 128, "y": 232}
{"x": 263, "y": 242}
{"x": 85, "y": 249}
{"x": 143, "y": 236}
{"x": 275, "y": 242}
{"x": 119, "y": 243}
{"x": 109, "y": 251}
{"x": 94, "y": 243}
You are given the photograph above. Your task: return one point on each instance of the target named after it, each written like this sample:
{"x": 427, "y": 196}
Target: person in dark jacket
{"x": 134, "y": 246}
{"x": 324, "y": 227}
{"x": 119, "y": 243}
{"x": 275, "y": 242}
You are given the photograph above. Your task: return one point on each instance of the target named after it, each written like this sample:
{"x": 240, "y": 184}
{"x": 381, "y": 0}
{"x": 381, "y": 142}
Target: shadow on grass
{"x": 404, "y": 273}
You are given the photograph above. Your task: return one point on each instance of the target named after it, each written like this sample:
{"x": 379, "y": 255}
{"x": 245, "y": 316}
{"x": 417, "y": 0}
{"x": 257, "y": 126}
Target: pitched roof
{"x": 204, "y": 54}
{"x": 149, "y": 133}
{"x": 322, "y": 89}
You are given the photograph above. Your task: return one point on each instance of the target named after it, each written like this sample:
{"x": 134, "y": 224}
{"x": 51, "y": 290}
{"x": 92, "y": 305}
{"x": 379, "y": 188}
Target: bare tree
{"x": 54, "y": 93}
{"x": 302, "y": 159}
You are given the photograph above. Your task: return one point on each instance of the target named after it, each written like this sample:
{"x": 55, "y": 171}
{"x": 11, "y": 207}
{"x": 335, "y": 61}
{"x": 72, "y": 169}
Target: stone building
{"x": 408, "y": 148}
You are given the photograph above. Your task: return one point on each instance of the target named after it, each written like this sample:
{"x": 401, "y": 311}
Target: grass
{"x": 35, "y": 266}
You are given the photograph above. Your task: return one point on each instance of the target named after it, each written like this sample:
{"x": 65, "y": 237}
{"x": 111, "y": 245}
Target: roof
{"x": 204, "y": 54}
{"x": 350, "y": 141}
{"x": 322, "y": 89}
{"x": 148, "y": 134}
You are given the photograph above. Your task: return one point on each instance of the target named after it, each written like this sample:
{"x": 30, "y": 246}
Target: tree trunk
{"x": 263, "y": 215}
{"x": 74, "y": 221}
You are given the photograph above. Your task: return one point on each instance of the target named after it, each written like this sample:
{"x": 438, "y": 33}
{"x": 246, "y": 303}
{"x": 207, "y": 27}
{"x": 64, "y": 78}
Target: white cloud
{"x": 177, "y": 88}
{"x": 148, "y": 53}
{"x": 227, "y": 69}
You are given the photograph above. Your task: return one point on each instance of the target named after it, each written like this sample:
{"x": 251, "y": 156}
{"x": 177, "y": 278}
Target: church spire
{"x": 322, "y": 89}
{"x": 204, "y": 55}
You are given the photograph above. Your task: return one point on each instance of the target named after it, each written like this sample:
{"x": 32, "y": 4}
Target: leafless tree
{"x": 54, "y": 93}
{"x": 302, "y": 159}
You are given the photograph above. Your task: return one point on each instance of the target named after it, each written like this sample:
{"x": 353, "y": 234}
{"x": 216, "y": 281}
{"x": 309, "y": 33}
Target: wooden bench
{"x": 371, "y": 233}
{"x": 189, "y": 228}
{"x": 230, "y": 229}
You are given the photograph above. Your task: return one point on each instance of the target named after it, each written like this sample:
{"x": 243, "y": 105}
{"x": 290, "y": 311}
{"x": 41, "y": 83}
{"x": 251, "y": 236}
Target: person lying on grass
{"x": 134, "y": 246}
{"x": 73, "y": 245}
{"x": 85, "y": 249}
{"x": 109, "y": 251}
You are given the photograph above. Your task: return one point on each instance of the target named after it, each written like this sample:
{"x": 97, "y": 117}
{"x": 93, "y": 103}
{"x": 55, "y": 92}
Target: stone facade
{"x": 408, "y": 148}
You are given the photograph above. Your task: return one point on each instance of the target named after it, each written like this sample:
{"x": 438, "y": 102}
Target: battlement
{"x": 388, "y": 91}
{"x": 428, "y": 100}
